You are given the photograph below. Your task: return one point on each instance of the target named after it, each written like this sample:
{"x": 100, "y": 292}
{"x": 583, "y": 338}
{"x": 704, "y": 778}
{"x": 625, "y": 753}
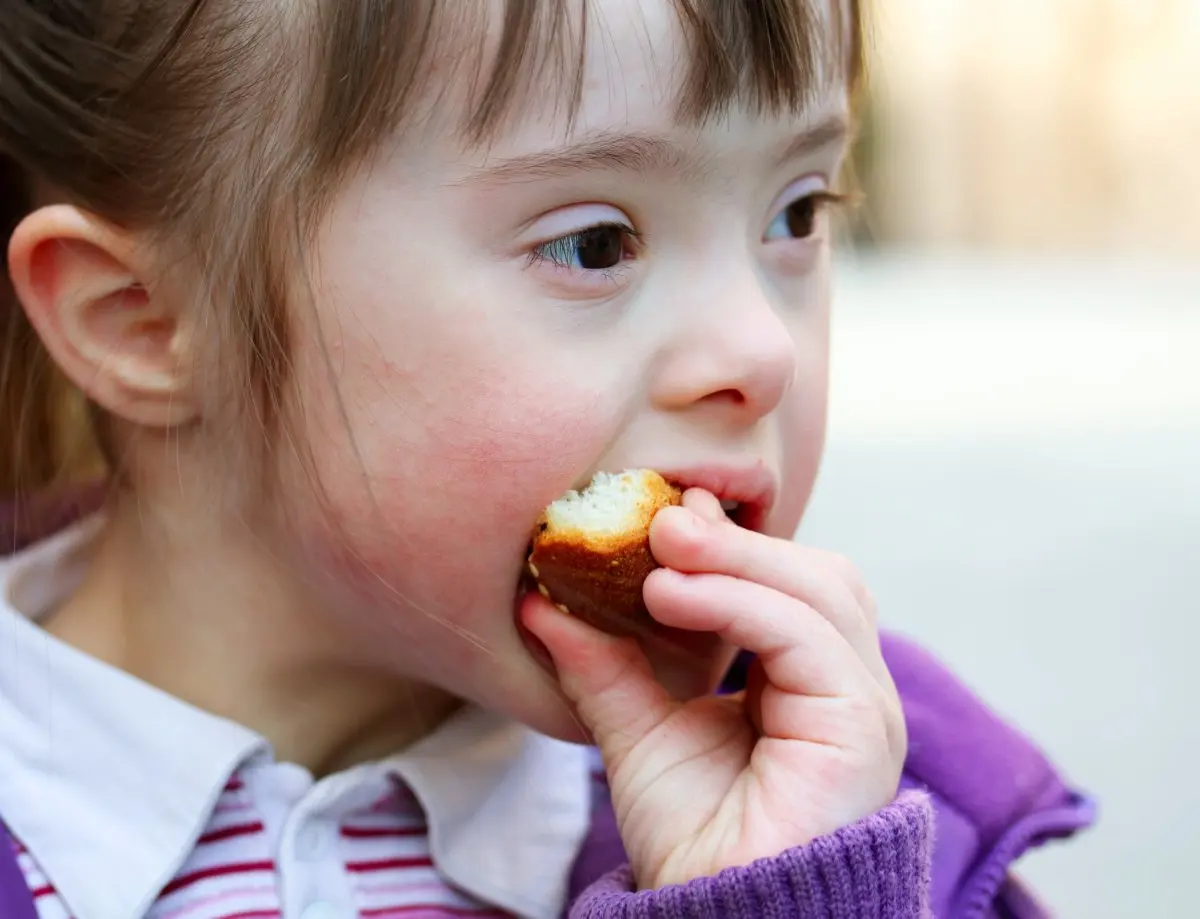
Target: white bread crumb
{"x": 611, "y": 504}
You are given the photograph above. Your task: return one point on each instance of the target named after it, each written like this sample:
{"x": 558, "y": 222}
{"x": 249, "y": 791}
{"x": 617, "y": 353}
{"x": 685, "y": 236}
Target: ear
{"x": 88, "y": 289}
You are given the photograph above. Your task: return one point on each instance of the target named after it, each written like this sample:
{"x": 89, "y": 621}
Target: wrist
{"x": 877, "y": 868}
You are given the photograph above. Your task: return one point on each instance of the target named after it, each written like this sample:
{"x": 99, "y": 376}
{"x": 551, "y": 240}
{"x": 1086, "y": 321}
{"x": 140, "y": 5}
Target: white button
{"x": 323, "y": 910}
{"x": 313, "y": 842}
{"x": 291, "y": 782}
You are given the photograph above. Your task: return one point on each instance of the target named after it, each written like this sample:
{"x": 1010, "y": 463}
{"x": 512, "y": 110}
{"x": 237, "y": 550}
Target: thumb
{"x": 608, "y": 679}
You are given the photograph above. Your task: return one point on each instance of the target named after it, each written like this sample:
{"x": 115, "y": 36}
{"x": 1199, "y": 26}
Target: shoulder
{"x": 995, "y": 793}
{"x": 962, "y": 750}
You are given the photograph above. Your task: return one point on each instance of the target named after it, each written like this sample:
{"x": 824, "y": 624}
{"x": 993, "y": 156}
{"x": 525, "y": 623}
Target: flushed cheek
{"x": 803, "y": 420}
{"x": 455, "y": 486}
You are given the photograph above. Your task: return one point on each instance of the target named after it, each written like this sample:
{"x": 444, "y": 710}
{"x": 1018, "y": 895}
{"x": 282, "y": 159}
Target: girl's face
{"x": 489, "y": 328}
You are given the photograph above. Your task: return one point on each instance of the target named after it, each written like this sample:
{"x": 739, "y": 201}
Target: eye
{"x": 798, "y": 220}
{"x": 602, "y": 247}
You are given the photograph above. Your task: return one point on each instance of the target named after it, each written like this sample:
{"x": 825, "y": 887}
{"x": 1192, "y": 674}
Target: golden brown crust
{"x": 599, "y": 577}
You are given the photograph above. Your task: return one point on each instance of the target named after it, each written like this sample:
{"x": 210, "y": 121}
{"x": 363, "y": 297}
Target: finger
{"x": 607, "y": 679}
{"x": 847, "y": 572}
{"x": 801, "y": 652}
{"x": 704, "y": 505}
{"x": 683, "y": 540}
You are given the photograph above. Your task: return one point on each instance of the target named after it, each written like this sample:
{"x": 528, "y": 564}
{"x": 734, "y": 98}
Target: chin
{"x": 530, "y": 694}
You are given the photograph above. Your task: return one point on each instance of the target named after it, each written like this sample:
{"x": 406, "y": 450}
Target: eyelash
{"x": 821, "y": 201}
{"x": 632, "y": 239}
{"x": 572, "y": 241}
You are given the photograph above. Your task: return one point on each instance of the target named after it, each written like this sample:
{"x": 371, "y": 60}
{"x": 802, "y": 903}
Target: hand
{"x": 816, "y": 742}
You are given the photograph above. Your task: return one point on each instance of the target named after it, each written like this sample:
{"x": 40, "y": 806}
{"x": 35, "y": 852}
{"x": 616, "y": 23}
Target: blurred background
{"x": 1014, "y": 454}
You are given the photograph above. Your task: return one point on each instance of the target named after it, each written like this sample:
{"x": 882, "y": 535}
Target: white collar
{"x": 98, "y": 767}
{"x": 507, "y": 821}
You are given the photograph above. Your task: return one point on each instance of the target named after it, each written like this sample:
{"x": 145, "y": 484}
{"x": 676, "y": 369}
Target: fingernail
{"x": 705, "y": 506}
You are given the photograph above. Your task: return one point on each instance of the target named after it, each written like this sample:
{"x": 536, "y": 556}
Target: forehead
{"x": 642, "y": 68}
{"x": 598, "y": 64}
{"x": 426, "y": 75}
{"x": 636, "y": 58}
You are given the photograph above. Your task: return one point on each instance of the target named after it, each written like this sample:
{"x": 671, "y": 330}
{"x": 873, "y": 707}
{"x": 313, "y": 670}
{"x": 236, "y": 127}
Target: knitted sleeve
{"x": 878, "y": 868}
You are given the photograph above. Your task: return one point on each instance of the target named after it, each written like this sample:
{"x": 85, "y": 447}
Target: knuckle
{"x": 686, "y": 531}
{"x": 845, "y": 569}
{"x": 881, "y": 721}
{"x": 863, "y": 710}
{"x": 860, "y": 625}
{"x": 851, "y": 575}
{"x": 866, "y": 600}
{"x": 892, "y": 725}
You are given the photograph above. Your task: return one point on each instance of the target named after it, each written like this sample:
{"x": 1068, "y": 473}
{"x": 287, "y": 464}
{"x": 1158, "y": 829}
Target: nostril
{"x": 728, "y": 396}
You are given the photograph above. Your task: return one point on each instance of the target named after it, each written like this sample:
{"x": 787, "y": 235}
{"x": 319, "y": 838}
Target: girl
{"x": 339, "y": 295}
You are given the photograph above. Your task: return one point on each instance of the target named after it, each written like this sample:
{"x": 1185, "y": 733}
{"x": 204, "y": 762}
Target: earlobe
{"x": 87, "y": 289}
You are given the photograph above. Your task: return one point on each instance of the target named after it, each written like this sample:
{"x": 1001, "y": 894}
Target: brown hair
{"x": 223, "y": 127}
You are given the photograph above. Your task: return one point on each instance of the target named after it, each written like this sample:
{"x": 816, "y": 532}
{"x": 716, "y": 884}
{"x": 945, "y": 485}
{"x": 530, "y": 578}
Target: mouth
{"x": 740, "y": 513}
{"x": 747, "y": 491}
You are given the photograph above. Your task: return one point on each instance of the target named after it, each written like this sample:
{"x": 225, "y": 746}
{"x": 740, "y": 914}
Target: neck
{"x": 210, "y": 619}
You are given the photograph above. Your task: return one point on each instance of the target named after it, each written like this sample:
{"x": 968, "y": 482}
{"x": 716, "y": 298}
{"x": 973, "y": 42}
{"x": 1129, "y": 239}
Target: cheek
{"x": 804, "y": 418}
{"x": 450, "y": 455}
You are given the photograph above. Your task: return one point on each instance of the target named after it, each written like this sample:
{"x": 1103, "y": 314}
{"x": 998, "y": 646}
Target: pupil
{"x": 600, "y": 248}
{"x": 800, "y": 218}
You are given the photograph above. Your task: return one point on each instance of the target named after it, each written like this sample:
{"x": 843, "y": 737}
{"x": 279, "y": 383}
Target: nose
{"x": 733, "y": 354}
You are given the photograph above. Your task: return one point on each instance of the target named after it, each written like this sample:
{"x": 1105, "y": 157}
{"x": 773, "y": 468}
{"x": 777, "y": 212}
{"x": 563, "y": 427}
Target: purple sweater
{"x": 975, "y": 796}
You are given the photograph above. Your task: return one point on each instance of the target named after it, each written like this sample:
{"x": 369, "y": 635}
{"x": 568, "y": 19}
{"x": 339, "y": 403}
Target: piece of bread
{"x": 591, "y": 549}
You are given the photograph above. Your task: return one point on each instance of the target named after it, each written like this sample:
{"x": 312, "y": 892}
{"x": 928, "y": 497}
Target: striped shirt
{"x": 126, "y": 803}
{"x": 381, "y": 849}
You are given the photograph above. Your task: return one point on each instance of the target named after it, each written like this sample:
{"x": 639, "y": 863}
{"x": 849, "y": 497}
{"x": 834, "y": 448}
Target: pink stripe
{"x": 400, "y": 891}
{"x": 379, "y": 832}
{"x": 429, "y": 911}
{"x": 385, "y": 864}
{"x": 215, "y": 899}
{"x": 240, "y": 829}
{"x": 215, "y": 872}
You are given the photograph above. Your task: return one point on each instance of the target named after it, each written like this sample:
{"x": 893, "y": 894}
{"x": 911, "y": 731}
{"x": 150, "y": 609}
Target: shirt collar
{"x": 101, "y": 775}
{"x": 104, "y": 776}
{"x": 507, "y": 821}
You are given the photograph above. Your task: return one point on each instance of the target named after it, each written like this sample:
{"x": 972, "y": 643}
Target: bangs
{"x": 380, "y": 57}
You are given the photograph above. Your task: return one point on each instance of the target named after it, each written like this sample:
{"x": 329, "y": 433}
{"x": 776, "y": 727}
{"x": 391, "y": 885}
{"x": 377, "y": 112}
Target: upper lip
{"x": 750, "y": 483}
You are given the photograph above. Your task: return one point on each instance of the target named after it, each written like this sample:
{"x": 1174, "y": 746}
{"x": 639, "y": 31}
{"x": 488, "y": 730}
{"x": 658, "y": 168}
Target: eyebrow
{"x": 641, "y": 153}
{"x": 830, "y": 132}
